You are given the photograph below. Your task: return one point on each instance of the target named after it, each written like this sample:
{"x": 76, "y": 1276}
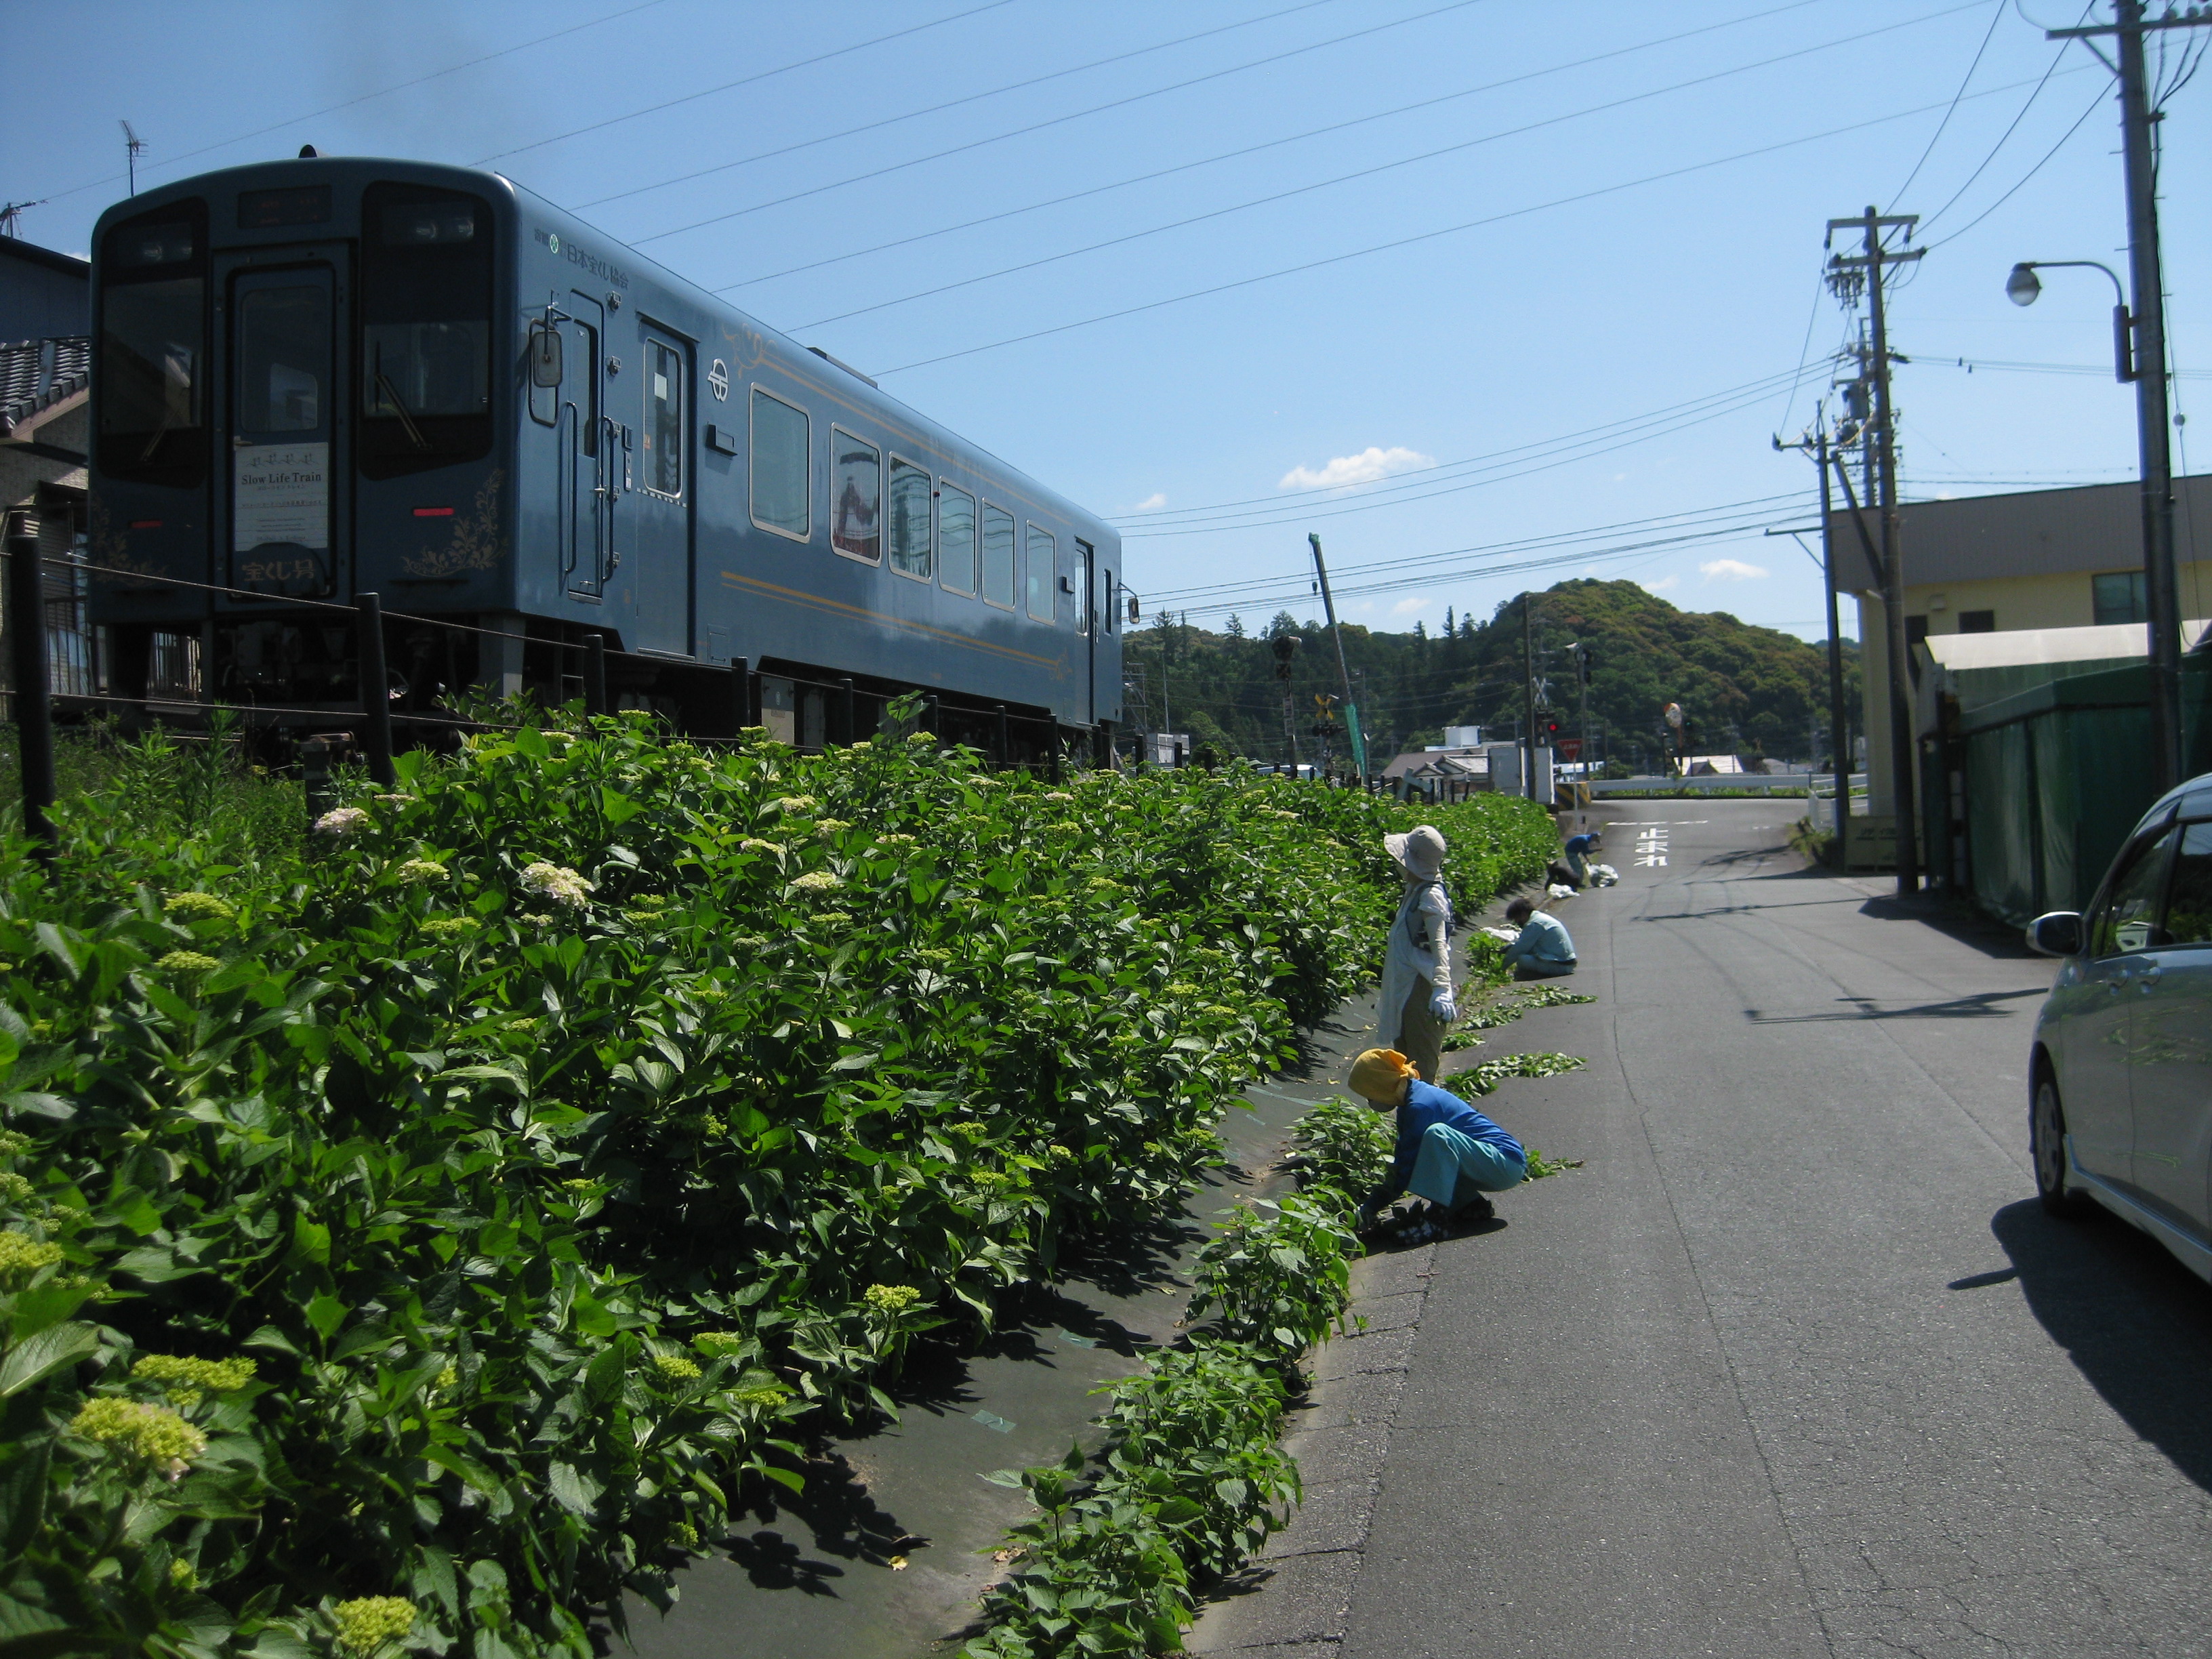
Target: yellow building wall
{"x": 2020, "y": 602}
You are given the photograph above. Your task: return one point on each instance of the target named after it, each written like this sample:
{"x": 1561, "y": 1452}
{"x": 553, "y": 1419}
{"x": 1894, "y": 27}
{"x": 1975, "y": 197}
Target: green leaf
{"x": 327, "y": 1313}
{"x": 310, "y": 1242}
{"x": 572, "y": 1489}
{"x": 43, "y": 1352}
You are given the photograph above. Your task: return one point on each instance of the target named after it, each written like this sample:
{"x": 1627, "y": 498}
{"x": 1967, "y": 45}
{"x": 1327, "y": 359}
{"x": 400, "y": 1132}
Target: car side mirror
{"x": 544, "y": 356}
{"x": 2058, "y": 934}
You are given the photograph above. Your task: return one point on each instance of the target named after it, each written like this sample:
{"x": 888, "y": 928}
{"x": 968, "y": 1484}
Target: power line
{"x": 1380, "y": 167}
{"x": 2003, "y": 137}
{"x": 1995, "y": 17}
{"x": 2064, "y": 138}
{"x": 1297, "y": 512}
{"x": 1254, "y": 149}
{"x": 383, "y": 92}
{"x": 1766, "y": 382}
{"x": 1756, "y": 507}
{"x": 1035, "y": 126}
{"x": 1432, "y": 235}
{"x": 932, "y": 109}
{"x": 744, "y": 80}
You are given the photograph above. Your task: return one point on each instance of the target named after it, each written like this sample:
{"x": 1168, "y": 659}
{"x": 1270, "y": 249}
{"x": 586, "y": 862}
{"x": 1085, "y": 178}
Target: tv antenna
{"x": 11, "y": 214}
{"x": 132, "y": 143}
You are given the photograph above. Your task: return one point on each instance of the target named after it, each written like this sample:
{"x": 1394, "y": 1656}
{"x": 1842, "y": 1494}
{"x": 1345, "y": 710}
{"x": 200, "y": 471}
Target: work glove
{"x": 1443, "y": 1008}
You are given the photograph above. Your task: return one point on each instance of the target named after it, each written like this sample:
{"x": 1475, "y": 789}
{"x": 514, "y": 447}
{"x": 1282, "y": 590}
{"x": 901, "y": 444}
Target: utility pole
{"x": 1528, "y": 700}
{"x": 2138, "y": 152}
{"x": 1286, "y": 647}
{"x": 1846, "y": 273}
{"x": 132, "y": 143}
{"x": 1351, "y": 709}
{"x": 1839, "y": 722}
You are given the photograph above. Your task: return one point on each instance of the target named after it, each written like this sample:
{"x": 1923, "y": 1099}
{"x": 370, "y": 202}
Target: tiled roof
{"x": 36, "y": 374}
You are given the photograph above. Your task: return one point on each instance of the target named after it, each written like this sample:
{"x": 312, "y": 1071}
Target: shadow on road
{"x": 1981, "y": 1005}
{"x": 2135, "y": 1322}
{"x": 1969, "y": 927}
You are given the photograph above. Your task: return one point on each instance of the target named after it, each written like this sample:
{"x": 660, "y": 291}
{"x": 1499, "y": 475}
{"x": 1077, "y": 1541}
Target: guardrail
{"x": 1757, "y": 783}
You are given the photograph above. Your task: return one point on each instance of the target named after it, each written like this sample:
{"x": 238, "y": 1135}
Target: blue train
{"x": 326, "y": 377}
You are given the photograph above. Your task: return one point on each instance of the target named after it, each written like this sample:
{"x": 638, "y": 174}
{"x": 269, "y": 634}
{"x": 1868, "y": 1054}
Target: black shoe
{"x": 1473, "y": 1214}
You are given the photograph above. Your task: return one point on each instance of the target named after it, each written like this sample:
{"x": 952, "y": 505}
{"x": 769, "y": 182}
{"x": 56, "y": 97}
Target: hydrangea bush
{"x": 412, "y": 1232}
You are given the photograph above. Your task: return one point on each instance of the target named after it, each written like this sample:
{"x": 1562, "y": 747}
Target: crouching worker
{"x": 1543, "y": 950}
{"x": 1447, "y": 1152}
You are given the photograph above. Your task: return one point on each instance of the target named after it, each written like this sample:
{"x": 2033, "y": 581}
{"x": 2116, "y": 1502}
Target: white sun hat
{"x": 1419, "y": 851}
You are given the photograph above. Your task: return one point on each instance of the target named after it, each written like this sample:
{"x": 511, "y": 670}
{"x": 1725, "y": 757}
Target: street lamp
{"x": 2023, "y": 288}
{"x": 2161, "y": 602}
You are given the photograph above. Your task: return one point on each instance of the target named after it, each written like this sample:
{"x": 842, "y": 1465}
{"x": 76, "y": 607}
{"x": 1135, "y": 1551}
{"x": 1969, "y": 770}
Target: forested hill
{"x": 1745, "y": 689}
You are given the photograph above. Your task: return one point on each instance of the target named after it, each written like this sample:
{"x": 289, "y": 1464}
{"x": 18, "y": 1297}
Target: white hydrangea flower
{"x": 341, "y": 821}
{"x": 558, "y": 883}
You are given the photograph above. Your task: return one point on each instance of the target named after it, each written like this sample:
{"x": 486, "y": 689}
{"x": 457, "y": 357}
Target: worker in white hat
{"x": 1416, "y": 1002}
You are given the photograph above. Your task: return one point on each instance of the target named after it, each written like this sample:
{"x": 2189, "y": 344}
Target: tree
{"x": 1234, "y": 627}
{"x": 1284, "y": 622}
{"x": 1420, "y": 631}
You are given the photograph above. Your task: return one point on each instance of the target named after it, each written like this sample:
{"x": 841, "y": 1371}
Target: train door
{"x": 284, "y": 469}
{"x": 590, "y": 464}
{"x": 657, "y": 611}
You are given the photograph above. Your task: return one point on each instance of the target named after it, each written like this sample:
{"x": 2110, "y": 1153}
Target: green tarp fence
{"x": 2058, "y": 776}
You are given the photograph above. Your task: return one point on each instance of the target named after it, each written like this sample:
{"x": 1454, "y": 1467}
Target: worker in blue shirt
{"x": 1579, "y": 850}
{"x": 1543, "y": 948}
{"x": 1447, "y": 1152}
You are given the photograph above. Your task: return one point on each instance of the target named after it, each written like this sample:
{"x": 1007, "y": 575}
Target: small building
{"x": 46, "y": 431}
{"x": 1999, "y": 564}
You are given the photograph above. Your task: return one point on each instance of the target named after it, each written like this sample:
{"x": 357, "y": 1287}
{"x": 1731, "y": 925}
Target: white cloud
{"x": 1369, "y": 465}
{"x": 1662, "y": 585}
{"x": 1152, "y": 503}
{"x": 1730, "y": 570}
{"x": 1407, "y": 607}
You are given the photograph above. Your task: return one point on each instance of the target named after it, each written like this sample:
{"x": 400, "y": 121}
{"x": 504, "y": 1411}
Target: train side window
{"x": 998, "y": 557}
{"x": 910, "y": 519}
{"x": 663, "y": 418}
{"x": 1083, "y": 604}
{"x": 956, "y": 541}
{"x": 856, "y": 491}
{"x": 1043, "y": 569}
{"x": 782, "y": 453}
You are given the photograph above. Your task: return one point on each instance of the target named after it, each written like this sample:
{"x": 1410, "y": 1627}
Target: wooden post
{"x": 375, "y": 691}
{"x": 35, "y": 723}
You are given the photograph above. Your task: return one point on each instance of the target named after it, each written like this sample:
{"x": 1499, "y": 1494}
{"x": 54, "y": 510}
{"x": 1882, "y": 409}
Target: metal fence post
{"x": 1003, "y": 751}
{"x": 595, "y": 674}
{"x": 929, "y": 719}
{"x": 375, "y": 690}
{"x": 741, "y": 696}
{"x": 34, "y": 726}
{"x": 848, "y": 713}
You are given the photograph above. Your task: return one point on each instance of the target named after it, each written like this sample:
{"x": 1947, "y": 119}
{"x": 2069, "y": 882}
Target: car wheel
{"x": 2047, "y": 1146}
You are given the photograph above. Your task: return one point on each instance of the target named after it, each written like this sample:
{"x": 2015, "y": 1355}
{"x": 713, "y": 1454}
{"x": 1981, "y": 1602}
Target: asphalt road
{"x": 1794, "y": 1365}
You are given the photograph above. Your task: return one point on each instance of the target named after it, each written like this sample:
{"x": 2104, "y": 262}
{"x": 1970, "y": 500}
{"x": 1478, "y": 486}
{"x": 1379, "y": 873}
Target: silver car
{"x": 2122, "y": 1073}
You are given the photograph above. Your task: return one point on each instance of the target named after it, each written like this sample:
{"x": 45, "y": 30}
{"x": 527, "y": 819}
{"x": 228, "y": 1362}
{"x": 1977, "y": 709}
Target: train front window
{"x": 426, "y": 329}
{"x": 153, "y": 349}
{"x": 284, "y": 359}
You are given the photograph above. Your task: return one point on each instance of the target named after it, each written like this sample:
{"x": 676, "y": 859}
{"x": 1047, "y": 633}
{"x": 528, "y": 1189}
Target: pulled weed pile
{"x": 412, "y": 1233}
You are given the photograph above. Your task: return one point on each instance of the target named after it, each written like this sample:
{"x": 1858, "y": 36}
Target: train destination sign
{"x": 280, "y": 493}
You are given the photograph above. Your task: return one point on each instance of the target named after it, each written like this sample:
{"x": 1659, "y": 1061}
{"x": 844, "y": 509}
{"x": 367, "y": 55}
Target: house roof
{"x": 31, "y": 253}
{"x": 2039, "y": 532}
{"x": 37, "y": 374}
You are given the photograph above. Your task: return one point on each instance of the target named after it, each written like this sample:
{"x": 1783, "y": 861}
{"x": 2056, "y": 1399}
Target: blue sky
{"x": 1478, "y": 283}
